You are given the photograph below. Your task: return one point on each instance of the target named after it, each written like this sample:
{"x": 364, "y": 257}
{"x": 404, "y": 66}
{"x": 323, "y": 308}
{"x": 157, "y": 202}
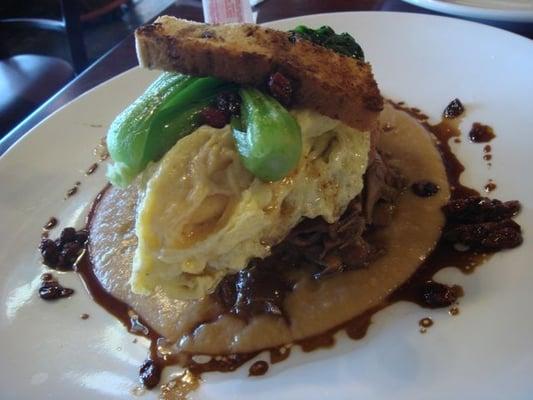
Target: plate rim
{"x": 129, "y": 71}
{"x": 472, "y": 11}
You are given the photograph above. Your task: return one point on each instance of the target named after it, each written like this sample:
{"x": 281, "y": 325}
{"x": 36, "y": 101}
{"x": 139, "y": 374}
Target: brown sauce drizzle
{"x": 52, "y": 223}
{"x": 51, "y": 289}
{"x": 279, "y": 354}
{"x": 444, "y": 255}
{"x": 258, "y": 368}
{"x": 490, "y": 186}
{"x": 444, "y": 131}
{"x": 454, "y": 109}
{"x": 73, "y": 190}
{"x": 487, "y": 155}
{"x": 424, "y": 324}
{"x": 91, "y": 169}
{"x": 481, "y": 133}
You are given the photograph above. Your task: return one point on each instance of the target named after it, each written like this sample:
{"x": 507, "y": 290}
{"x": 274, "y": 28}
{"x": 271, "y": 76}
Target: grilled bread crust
{"x": 334, "y": 85}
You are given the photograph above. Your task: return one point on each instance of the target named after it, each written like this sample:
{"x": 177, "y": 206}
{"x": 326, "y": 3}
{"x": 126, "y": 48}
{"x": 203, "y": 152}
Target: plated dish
{"x": 499, "y": 10}
{"x": 81, "y": 191}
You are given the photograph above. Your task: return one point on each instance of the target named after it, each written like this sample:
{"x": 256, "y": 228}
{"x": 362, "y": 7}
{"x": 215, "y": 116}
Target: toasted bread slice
{"x": 334, "y": 85}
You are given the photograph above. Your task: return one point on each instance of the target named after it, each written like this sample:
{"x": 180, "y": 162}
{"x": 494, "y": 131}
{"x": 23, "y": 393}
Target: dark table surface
{"x": 122, "y": 57}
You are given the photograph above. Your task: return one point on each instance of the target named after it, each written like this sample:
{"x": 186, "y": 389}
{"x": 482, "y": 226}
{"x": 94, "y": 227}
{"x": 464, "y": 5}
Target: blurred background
{"x": 45, "y": 43}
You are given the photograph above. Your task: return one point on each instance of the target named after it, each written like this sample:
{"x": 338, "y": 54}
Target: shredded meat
{"x": 317, "y": 246}
{"x": 382, "y": 186}
{"x": 334, "y": 247}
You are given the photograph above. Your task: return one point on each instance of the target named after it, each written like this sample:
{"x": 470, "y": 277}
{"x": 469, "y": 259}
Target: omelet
{"x": 202, "y": 215}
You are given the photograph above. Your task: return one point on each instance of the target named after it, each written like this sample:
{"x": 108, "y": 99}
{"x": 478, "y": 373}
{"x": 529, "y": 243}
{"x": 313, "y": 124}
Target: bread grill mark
{"x": 332, "y": 84}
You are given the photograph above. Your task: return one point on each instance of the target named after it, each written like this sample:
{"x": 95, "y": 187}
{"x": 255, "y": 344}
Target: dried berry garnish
{"x": 454, "y": 109}
{"x": 63, "y": 252}
{"x": 67, "y": 235}
{"x": 214, "y": 117}
{"x": 479, "y": 209}
{"x": 81, "y": 236}
{"x": 280, "y": 87}
{"x": 481, "y": 133}
{"x": 50, "y": 252}
{"x": 258, "y": 368}
{"x": 70, "y": 253}
{"x": 50, "y": 289}
{"x": 150, "y": 374}
{"x": 435, "y": 295}
{"x": 424, "y": 188}
{"x": 487, "y": 236}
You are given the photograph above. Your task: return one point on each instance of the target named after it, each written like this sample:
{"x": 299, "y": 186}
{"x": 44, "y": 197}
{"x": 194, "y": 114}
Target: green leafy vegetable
{"x": 167, "y": 111}
{"x": 267, "y": 136}
{"x": 342, "y": 43}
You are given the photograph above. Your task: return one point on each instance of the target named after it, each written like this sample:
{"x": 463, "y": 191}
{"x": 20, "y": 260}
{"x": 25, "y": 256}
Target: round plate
{"x": 499, "y": 10}
{"x": 484, "y": 352}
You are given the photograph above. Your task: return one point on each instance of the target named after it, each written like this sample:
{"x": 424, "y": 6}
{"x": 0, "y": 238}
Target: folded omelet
{"x": 202, "y": 215}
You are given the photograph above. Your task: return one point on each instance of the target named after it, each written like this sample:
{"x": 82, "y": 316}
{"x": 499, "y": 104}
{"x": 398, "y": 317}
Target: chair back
{"x": 70, "y": 25}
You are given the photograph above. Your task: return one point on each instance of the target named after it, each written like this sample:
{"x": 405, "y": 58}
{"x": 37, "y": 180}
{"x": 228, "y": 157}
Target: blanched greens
{"x": 342, "y": 43}
{"x": 267, "y": 136}
{"x": 167, "y": 111}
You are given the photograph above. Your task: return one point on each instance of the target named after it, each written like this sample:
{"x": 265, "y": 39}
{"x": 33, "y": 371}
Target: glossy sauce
{"x": 91, "y": 169}
{"x": 51, "y": 289}
{"x": 52, "y": 222}
{"x": 480, "y": 133}
{"x": 490, "y": 186}
{"x": 424, "y": 324}
{"x": 487, "y": 153}
{"x": 258, "y": 368}
{"x": 73, "y": 190}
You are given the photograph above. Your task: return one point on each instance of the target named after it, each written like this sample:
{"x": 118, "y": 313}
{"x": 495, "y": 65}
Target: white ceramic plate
{"x": 499, "y": 10}
{"x": 484, "y": 353}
